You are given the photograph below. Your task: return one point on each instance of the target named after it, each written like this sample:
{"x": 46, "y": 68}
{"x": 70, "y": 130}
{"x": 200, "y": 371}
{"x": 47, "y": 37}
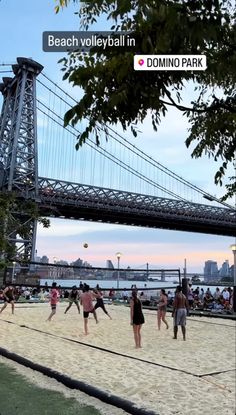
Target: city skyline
{"x": 138, "y": 246}
{"x": 224, "y": 268}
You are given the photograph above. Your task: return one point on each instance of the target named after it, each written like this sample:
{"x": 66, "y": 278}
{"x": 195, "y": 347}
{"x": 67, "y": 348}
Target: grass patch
{"x": 20, "y": 397}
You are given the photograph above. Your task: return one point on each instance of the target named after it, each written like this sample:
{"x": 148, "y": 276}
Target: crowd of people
{"x": 199, "y": 299}
{"x": 85, "y": 297}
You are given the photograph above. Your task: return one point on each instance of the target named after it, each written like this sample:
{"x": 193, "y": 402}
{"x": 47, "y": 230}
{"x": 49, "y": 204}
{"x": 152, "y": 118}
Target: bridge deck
{"x": 77, "y": 201}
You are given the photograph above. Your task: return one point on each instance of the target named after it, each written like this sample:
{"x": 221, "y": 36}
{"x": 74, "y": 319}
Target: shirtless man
{"x": 180, "y": 307}
{"x": 8, "y": 296}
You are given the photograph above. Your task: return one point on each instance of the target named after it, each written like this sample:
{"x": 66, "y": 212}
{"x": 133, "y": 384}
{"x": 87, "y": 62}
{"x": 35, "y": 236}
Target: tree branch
{"x": 213, "y": 107}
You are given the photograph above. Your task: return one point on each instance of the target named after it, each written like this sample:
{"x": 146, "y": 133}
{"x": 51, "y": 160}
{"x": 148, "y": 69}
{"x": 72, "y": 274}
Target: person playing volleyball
{"x": 53, "y": 300}
{"x": 86, "y": 300}
{"x": 8, "y": 296}
{"x": 161, "y": 312}
{"x": 73, "y": 298}
{"x": 99, "y": 301}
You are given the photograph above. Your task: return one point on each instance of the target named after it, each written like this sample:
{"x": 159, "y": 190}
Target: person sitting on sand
{"x": 201, "y": 296}
{"x": 216, "y": 294}
{"x": 125, "y": 295}
{"x": 170, "y": 298}
{"x": 208, "y": 291}
{"x": 231, "y": 298}
{"x": 190, "y": 296}
{"x": 112, "y": 294}
{"x": 225, "y": 294}
{"x": 207, "y": 301}
{"x": 42, "y": 295}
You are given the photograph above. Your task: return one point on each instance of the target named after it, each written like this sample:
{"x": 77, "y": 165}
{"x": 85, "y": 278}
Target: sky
{"x": 21, "y": 26}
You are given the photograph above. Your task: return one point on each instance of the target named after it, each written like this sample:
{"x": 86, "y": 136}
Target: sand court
{"x": 167, "y": 376}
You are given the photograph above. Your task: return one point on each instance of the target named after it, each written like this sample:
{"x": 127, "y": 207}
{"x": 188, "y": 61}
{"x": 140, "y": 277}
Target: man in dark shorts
{"x": 8, "y": 296}
{"x": 73, "y": 298}
{"x": 86, "y": 300}
{"x": 180, "y": 307}
{"x": 99, "y": 301}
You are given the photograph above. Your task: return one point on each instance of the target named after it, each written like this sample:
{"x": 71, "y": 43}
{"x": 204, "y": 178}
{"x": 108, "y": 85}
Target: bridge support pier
{"x": 18, "y": 152}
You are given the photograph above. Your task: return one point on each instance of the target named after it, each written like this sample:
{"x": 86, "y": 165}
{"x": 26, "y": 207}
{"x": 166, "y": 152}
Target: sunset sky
{"x": 64, "y": 239}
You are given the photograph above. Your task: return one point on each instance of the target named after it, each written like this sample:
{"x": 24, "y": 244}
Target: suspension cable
{"x": 110, "y": 156}
{"x": 136, "y": 150}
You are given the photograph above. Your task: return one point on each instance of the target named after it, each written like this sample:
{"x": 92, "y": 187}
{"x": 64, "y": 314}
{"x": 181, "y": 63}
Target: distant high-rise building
{"x": 210, "y": 270}
{"x": 224, "y": 271}
{"x": 62, "y": 262}
{"x": 109, "y": 265}
{"x": 40, "y": 270}
{"x": 44, "y": 259}
{"x": 78, "y": 263}
{"x": 87, "y": 264}
{"x": 231, "y": 271}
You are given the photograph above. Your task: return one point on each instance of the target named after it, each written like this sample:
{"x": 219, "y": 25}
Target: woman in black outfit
{"x": 136, "y": 317}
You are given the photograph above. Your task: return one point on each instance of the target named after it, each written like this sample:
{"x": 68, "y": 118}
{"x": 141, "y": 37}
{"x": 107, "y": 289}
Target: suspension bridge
{"x": 114, "y": 182}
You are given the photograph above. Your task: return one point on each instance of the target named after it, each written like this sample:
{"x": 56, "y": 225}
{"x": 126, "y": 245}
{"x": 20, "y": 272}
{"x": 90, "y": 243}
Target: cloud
{"x": 73, "y": 229}
{"x": 138, "y": 246}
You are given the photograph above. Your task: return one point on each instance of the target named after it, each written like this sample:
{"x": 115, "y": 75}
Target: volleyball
{"x": 85, "y": 245}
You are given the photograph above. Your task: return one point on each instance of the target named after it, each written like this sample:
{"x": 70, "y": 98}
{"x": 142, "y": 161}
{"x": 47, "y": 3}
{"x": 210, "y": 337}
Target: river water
{"x": 108, "y": 284}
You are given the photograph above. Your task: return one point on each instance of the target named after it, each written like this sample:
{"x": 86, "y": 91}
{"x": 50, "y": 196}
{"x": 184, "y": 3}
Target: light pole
{"x": 118, "y": 255}
{"x": 233, "y": 248}
{"x": 184, "y": 279}
{"x": 13, "y": 271}
{"x": 54, "y": 268}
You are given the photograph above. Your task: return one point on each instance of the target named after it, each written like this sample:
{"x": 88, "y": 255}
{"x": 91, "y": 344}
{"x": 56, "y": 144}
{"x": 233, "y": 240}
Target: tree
{"x": 115, "y": 93}
{"x": 11, "y": 208}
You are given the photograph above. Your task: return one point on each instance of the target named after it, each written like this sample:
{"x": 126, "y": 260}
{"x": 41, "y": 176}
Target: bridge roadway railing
{"x": 78, "y": 201}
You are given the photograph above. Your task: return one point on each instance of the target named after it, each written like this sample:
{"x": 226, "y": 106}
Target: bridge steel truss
{"x": 18, "y": 146}
{"x": 83, "y": 202}
{"x": 19, "y": 173}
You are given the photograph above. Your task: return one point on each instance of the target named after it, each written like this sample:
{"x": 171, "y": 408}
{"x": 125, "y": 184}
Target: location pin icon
{"x": 140, "y": 62}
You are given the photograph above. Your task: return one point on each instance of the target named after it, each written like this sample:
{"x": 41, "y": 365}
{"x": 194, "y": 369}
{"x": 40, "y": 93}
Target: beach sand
{"x": 204, "y": 379}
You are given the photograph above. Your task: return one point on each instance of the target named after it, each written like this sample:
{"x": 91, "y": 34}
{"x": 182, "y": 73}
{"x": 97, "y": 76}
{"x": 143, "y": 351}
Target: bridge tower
{"x": 18, "y": 147}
